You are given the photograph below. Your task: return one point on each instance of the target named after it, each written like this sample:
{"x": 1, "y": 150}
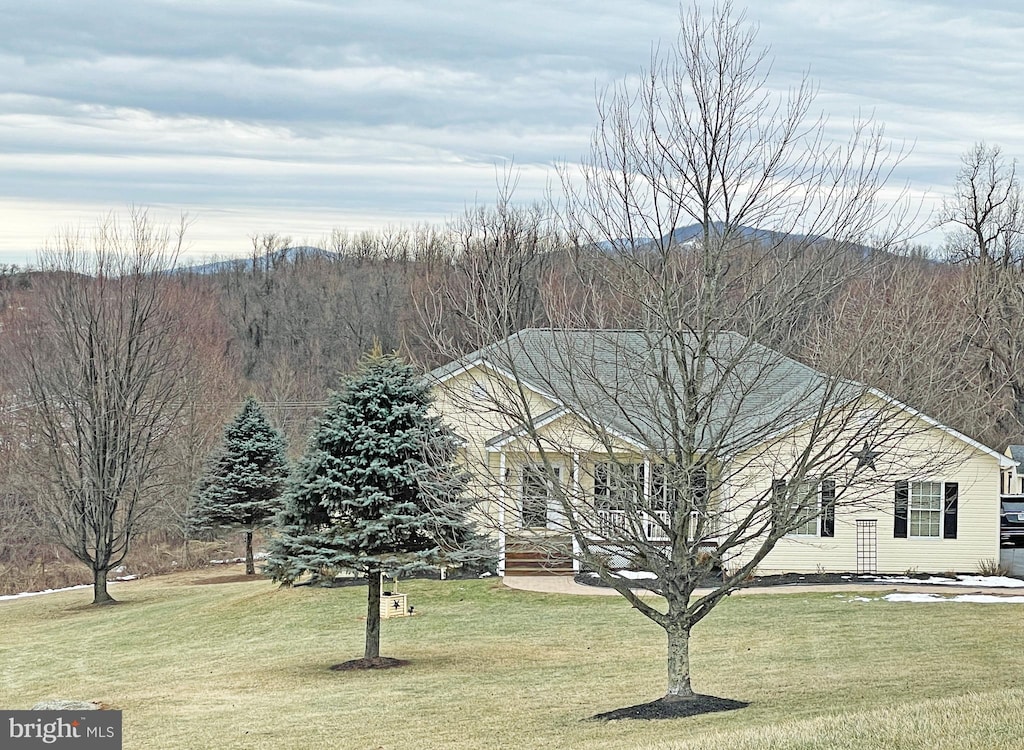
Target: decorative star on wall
{"x": 865, "y": 457}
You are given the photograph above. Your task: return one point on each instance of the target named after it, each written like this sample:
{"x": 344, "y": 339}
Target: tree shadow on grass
{"x": 672, "y": 709}
{"x": 228, "y": 578}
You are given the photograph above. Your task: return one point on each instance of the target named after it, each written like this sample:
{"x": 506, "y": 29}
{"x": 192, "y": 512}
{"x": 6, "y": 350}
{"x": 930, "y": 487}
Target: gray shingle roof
{"x": 639, "y": 386}
{"x": 1017, "y": 454}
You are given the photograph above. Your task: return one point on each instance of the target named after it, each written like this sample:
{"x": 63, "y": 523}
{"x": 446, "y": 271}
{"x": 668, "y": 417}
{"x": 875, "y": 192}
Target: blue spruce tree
{"x": 376, "y": 491}
{"x": 242, "y": 487}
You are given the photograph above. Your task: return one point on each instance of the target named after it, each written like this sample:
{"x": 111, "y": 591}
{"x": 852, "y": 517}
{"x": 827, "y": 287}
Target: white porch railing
{"x": 613, "y": 523}
{"x": 654, "y": 525}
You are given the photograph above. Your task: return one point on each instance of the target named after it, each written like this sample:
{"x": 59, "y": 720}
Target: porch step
{"x": 524, "y": 562}
{"x": 538, "y": 570}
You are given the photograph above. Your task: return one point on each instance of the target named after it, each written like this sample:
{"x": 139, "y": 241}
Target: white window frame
{"x": 816, "y": 483}
{"x": 936, "y": 511}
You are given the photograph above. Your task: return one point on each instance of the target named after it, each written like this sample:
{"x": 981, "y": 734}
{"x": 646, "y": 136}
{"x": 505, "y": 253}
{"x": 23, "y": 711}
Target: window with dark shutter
{"x": 949, "y": 510}
{"x": 828, "y": 507}
{"x": 899, "y": 529}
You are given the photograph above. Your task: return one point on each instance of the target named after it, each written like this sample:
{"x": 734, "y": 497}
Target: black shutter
{"x": 778, "y": 498}
{"x": 828, "y": 507}
{"x": 949, "y": 510}
{"x": 899, "y": 529}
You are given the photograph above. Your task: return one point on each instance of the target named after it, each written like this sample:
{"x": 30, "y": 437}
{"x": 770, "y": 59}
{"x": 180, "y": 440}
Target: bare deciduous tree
{"x": 101, "y": 368}
{"x": 986, "y": 210}
{"x": 703, "y": 447}
{"x": 986, "y": 213}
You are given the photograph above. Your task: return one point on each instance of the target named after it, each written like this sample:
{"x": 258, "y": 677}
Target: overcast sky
{"x": 300, "y": 116}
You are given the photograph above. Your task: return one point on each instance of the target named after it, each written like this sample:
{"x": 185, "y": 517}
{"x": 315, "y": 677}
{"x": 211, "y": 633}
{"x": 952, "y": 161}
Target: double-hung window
{"x": 926, "y": 510}
{"x": 811, "y": 507}
{"x": 806, "y": 509}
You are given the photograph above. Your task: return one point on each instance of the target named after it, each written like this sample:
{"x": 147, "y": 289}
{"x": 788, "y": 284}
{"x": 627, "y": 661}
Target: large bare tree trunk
{"x": 678, "y": 662}
{"x": 372, "y": 650}
{"x": 99, "y": 587}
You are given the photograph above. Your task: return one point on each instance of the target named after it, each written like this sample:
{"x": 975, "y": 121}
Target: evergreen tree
{"x": 243, "y": 484}
{"x": 376, "y": 491}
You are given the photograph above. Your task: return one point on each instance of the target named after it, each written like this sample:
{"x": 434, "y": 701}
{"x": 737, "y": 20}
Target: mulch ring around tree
{"x": 378, "y": 662}
{"x": 672, "y": 709}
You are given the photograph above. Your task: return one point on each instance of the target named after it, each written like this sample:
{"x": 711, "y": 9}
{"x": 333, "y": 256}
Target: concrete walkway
{"x": 566, "y": 585}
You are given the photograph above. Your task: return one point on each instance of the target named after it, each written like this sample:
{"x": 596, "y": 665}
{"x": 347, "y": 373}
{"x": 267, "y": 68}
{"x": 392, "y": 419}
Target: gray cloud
{"x": 318, "y": 113}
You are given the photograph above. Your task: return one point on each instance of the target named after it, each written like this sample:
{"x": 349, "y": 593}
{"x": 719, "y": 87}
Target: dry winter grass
{"x": 245, "y": 665}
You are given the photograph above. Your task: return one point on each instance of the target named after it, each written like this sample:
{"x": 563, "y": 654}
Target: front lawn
{"x": 245, "y": 665}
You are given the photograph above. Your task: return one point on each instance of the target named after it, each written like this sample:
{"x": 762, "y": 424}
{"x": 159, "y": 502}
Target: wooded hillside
{"x": 284, "y": 325}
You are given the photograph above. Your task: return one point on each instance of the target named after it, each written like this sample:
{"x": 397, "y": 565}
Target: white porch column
{"x": 646, "y": 499}
{"x": 577, "y": 491}
{"x": 502, "y": 477}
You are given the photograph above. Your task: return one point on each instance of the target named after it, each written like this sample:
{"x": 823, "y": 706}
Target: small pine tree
{"x": 376, "y": 491}
{"x": 242, "y": 487}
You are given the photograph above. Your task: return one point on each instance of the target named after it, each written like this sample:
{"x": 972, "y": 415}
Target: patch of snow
{"x": 233, "y": 560}
{"x": 993, "y": 581}
{"x": 24, "y": 594}
{"x": 970, "y": 598}
{"x": 987, "y": 581}
{"x": 635, "y": 575}
{"x": 931, "y": 580}
{"x": 989, "y": 599}
{"x": 861, "y": 599}
{"x": 485, "y": 574}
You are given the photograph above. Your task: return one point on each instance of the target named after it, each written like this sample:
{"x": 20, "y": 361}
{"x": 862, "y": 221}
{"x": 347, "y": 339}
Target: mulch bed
{"x": 785, "y": 579}
{"x": 426, "y": 575}
{"x": 672, "y": 709}
{"x": 380, "y": 662}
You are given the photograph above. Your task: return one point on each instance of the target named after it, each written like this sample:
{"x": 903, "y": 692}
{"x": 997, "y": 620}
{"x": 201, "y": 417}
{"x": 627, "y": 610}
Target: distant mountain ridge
{"x": 688, "y": 234}
{"x": 289, "y": 255}
{"x": 267, "y": 260}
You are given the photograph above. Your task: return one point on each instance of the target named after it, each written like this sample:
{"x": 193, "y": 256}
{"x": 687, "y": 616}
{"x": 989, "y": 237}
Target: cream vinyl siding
{"x": 924, "y": 453}
{"x": 475, "y": 415}
{"x": 476, "y": 420}
{"x": 928, "y": 454}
